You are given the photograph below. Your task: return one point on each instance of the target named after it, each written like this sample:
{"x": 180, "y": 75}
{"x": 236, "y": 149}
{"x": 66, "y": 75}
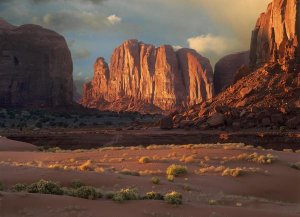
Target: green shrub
{"x": 155, "y": 180}
{"x": 153, "y": 196}
{"x": 176, "y": 170}
{"x": 76, "y": 184}
{"x": 87, "y": 192}
{"x": 45, "y": 187}
{"x": 173, "y": 198}
{"x": 126, "y": 194}
{"x": 19, "y": 187}
{"x": 109, "y": 195}
{"x": 129, "y": 172}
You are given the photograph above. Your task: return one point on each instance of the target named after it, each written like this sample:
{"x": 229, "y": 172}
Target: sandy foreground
{"x": 262, "y": 190}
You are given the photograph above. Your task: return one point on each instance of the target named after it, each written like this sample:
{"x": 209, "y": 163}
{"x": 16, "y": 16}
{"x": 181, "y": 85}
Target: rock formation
{"x": 276, "y": 35}
{"x": 142, "y": 76}
{"x": 227, "y": 67}
{"x": 269, "y": 95}
{"x": 35, "y": 67}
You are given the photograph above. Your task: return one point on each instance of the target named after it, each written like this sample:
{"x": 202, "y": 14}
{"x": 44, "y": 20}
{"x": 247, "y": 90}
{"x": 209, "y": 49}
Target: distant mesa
{"x": 35, "y": 67}
{"x": 145, "y": 78}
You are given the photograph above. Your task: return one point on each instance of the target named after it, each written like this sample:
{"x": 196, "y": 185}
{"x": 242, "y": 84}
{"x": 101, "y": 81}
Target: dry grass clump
{"x": 173, "y": 198}
{"x": 129, "y": 172}
{"x": 211, "y": 169}
{"x": 86, "y": 166}
{"x": 176, "y": 170}
{"x": 150, "y": 172}
{"x": 189, "y": 159}
{"x": 233, "y": 172}
{"x": 144, "y": 160}
{"x": 254, "y": 157}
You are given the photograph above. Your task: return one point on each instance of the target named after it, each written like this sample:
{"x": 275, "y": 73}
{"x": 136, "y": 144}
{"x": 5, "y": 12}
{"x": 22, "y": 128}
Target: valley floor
{"x": 265, "y": 185}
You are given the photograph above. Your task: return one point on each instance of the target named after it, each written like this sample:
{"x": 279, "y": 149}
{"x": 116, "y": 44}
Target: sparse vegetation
{"x": 296, "y": 166}
{"x": 19, "y": 187}
{"x": 126, "y": 194}
{"x": 153, "y": 196}
{"x": 233, "y": 172}
{"x": 176, "y": 170}
{"x": 173, "y": 198}
{"x": 86, "y": 166}
{"x": 45, "y": 187}
{"x": 129, "y": 172}
{"x": 144, "y": 160}
{"x": 155, "y": 180}
{"x": 87, "y": 192}
{"x": 170, "y": 178}
{"x": 76, "y": 184}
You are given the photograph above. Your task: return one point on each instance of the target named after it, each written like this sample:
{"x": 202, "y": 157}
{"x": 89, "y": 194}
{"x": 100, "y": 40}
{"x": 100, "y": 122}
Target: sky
{"x": 93, "y": 28}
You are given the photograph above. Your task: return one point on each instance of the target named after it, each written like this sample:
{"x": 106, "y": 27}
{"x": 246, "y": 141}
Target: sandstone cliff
{"x": 226, "y": 69}
{"x": 269, "y": 96}
{"x": 276, "y": 35}
{"x": 158, "y": 78}
{"x": 35, "y": 67}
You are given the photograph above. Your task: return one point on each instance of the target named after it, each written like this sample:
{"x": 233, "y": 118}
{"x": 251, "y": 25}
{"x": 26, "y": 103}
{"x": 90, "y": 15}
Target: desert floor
{"x": 263, "y": 189}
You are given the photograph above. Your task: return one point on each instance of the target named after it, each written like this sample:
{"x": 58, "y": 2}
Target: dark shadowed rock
{"x": 35, "y": 67}
{"x": 226, "y": 69}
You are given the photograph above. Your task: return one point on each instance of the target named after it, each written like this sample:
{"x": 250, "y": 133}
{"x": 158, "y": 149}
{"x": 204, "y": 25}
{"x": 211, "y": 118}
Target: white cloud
{"x": 204, "y": 44}
{"x": 177, "y": 47}
{"x": 114, "y": 19}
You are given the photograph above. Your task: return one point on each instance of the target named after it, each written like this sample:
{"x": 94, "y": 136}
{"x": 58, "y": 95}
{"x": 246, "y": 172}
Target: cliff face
{"x": 269, "y": 95}
{"x": 276, "y": 35}
{"x": 35, "y": 67}
{"x": 226, "y": 69}
{"x": 143, "y": 74}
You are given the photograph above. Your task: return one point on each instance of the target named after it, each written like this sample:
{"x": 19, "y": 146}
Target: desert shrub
{"x": 170, "y": 178}
{"x": 39, "y": 124}
{"x": 1, "y": 186}
{"x": 144, "y": 160}
{"x": 87, "y": 192}
{"x": 129, "y": 172}
{"x": 19, "y": 187}
{"x": 155, "y": 180}
{"x": 153, "y": 196}
{"x": 296, "y": 166}
{"x": 212, "y": 202}
{"x": 45, "y": 187}
{"x": 54, "y": 149}
{"x": 233, "y": 172}
{"x": 176, "y": 170}
{"x": 76, "y": 184}
{"x": 173, "y": 198}
{"x": 126, "y": 194}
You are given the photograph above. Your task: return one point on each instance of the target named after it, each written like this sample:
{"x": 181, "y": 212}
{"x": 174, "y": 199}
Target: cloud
{"x": 67, "y": 21}
{"x": 209, "y": 44}
{"x": 81, "y": 54}
{"x": 177, "y": 47}
{"x": 114, "y": 19}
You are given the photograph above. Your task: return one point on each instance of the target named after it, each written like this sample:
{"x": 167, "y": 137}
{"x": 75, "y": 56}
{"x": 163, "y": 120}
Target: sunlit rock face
{"x": 35, "y": 67}
{"x": 226, "y": 69}
{"x": 276, "y": 35}
{"x": 143, "y": 74}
